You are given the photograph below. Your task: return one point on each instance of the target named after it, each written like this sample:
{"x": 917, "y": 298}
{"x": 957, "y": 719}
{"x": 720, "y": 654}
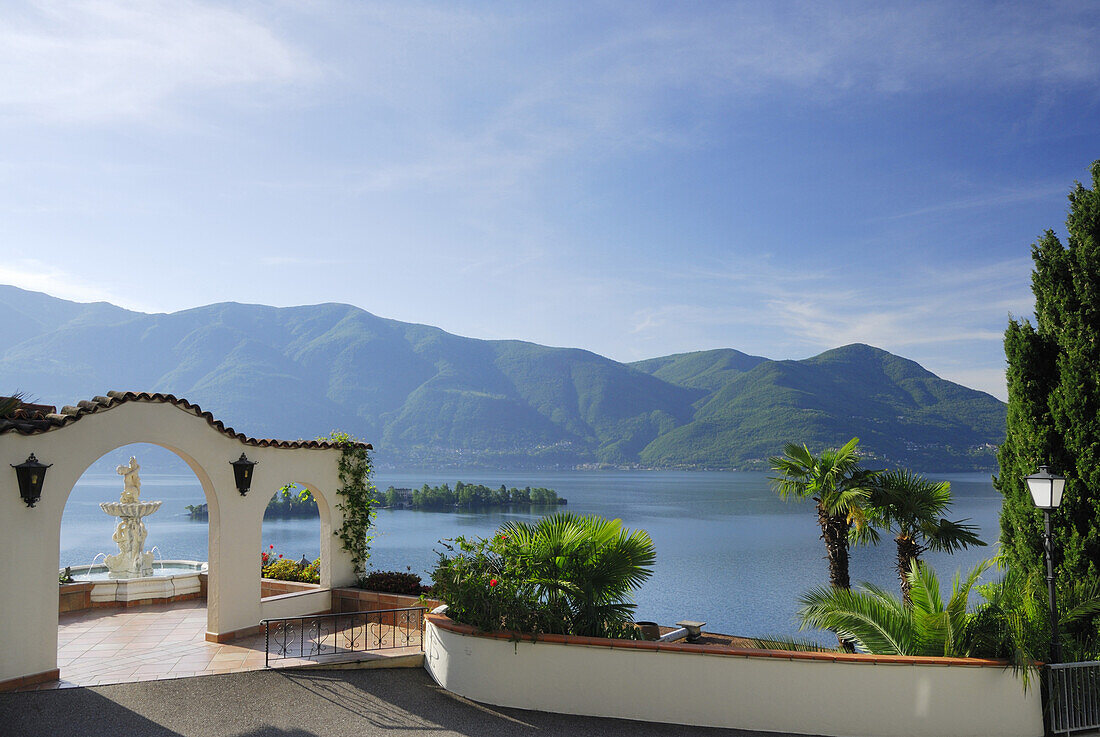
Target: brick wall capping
{"x": 446, "y": 623}
{"x": 377, "y": 599}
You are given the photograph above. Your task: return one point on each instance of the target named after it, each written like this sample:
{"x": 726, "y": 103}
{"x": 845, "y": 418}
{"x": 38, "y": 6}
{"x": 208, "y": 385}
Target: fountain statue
{"x": 131, "y": 561}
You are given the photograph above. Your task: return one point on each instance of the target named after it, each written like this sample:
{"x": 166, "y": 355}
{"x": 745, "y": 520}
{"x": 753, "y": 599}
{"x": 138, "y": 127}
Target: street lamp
{"x": 1046, "y": 490}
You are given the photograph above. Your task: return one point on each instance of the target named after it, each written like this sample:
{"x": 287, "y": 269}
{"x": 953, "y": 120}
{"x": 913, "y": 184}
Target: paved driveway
{"x": 294, "y": 703}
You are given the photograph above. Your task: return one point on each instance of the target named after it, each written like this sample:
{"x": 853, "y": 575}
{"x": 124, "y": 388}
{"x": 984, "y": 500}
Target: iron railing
{"x": 1073, "y": 697}
{"x": 329, "y": 636}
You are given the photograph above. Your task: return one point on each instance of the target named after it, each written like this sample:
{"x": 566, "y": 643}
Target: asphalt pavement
{"x": 296, "y": 703}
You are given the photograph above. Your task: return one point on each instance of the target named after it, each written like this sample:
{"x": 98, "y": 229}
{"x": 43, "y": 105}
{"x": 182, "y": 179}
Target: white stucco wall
{"x": 756, "y": 693}
{"x": 296, "y": 605}
{"x": 30, "y": 537}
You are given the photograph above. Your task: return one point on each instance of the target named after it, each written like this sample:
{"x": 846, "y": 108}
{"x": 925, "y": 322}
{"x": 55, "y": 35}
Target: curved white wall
{"x": 758, "y": 693}
{"x": 30, "y": 538}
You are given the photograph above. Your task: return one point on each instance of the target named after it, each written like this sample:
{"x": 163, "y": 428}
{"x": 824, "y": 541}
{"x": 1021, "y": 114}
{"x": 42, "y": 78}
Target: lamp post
{"x": 1046, "y": 491}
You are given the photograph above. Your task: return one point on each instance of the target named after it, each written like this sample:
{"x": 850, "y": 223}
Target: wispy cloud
{"x": 928, "y": 307}
{"x": 486, "y": 108}
{"x": 995, "y": 198}
{"x": 952, "y": 320}
{"x": 80, "y": 62}
{"x": 277, "y": 261}
{"x": 37, "y": 276}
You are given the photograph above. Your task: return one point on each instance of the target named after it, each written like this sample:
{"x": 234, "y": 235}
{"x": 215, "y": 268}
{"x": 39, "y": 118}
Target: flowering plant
{"x": 482, "y": 585}
{"x": 274, "y": 565}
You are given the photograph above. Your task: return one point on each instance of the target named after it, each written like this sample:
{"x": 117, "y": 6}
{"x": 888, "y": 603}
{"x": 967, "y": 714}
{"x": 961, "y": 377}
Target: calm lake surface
{"x": 729, "y": 552}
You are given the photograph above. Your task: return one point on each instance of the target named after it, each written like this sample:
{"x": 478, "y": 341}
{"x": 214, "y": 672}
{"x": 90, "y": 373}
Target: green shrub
{"x": 394, "y": 582}
{"x": 566, "y": 574}
{"x": 288, "y": 570}
{"x": 484, "y": 587}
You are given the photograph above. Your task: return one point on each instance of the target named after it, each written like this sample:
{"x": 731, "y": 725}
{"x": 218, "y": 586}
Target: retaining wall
{"x": 706, "y": 685}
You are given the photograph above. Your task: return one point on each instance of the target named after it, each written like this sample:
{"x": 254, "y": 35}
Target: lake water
{"x": 729, "y": 552}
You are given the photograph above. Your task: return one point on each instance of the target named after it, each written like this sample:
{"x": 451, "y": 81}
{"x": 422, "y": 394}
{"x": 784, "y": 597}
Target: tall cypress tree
{"x": 1054, "y": 398}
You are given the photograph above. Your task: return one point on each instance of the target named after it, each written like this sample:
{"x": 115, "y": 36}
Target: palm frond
{"x": 789, "y": 644}
{"x": 947, "y": 536}
{"x": 863, "y": 617}
{"x": 587, "y": 566}
{"x": 10, "y": 404}
{"x": 924, "y": 589}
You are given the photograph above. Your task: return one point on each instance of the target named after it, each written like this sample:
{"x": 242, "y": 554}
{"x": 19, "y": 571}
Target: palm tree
{"x": 910, "y": 506}
{"x": 10, "y": 404}
{"x": 585, "y": 569}
{"x": 1011, "y": 624}
{"x": 837, "y": 483}
{"x": 879, "y": 622}
{"x": 1014, "y": 621}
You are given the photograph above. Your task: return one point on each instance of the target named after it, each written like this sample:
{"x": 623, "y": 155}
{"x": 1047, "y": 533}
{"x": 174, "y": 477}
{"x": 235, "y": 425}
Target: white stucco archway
{"x": 73, "y": 440}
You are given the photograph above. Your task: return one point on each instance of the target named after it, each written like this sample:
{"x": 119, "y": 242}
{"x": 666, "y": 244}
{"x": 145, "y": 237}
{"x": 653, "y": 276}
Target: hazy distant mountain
{"x": 424, "y": 396}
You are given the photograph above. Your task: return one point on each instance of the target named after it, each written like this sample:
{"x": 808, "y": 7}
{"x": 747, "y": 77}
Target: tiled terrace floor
{"x": 102, "y": 646}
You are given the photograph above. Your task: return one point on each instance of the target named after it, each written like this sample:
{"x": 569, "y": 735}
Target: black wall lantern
{"x": 31, "y": 473}
{"x": 242, "y": 472}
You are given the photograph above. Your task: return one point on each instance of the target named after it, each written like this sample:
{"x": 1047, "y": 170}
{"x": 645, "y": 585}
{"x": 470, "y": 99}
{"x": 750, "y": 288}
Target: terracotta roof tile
{"x": 41, "y": 420}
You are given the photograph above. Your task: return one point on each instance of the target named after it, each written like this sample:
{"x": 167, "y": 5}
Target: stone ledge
{"x": 446, "y": 623}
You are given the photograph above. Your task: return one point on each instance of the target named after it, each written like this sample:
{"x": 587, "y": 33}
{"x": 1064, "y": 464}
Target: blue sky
{"x": 635, "y": 179}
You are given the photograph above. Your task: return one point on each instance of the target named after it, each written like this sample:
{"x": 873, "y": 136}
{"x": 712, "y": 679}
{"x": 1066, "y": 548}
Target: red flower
{"x": 280, "y": 555}
{"x": 493, "y": 582}
{"x": 271, "y": 547}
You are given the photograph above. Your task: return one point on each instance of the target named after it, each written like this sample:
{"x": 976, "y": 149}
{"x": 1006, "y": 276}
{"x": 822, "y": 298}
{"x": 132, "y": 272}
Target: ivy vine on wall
{"x": 357, "y": 495}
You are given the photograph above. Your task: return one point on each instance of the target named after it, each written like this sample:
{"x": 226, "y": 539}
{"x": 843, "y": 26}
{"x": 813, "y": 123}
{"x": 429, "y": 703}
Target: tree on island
{"x": 1054, "y": 400}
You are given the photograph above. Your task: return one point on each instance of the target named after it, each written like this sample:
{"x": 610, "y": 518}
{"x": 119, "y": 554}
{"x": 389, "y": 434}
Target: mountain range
{"x": 423, "y": 396}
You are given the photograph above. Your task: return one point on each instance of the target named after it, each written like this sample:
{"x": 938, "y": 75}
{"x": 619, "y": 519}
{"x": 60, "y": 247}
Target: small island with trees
{"x": 288, "y": 502}
{"x": 467, "y": 496}
{"x": 291, "y": 501}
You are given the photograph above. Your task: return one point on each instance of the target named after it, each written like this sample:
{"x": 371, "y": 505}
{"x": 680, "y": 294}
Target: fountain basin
{"x": 130, "y": 509}
{"x": 172, "y": 580}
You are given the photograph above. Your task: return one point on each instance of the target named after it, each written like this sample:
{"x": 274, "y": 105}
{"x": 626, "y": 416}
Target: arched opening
{"x": 129, "y": 601}
{"x": 290, "y": 553}
{"x": 178, "y": 530}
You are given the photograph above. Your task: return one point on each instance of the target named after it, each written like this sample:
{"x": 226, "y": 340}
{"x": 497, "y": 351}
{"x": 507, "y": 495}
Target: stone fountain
{"x": 131, "y": 561}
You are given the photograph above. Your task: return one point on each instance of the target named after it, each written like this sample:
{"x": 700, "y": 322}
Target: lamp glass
{"x": 1046, "y": 488}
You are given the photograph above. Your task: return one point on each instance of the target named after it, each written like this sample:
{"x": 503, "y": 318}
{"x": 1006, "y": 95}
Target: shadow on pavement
{"x": 295, "y": 703}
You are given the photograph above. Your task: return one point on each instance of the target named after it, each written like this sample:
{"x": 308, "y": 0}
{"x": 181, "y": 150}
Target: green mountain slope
{"x": 707, "y": 370}
{"x": 900, "y": 411}
{"x": 424, "y": 396}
